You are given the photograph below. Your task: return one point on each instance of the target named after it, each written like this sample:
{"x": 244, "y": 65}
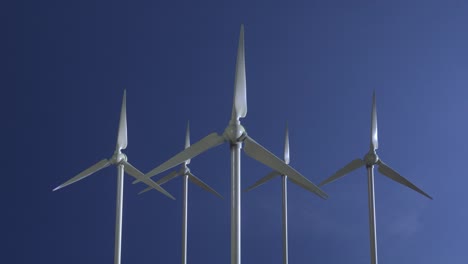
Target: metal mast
{"x": 120, "y": 161}
{"x": 236, "y": 135}
{"x": 370, "y": 160}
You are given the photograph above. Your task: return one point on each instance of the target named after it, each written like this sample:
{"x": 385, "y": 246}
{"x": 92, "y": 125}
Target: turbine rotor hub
{"x": 371, "y": 158}
{"x": 235, "y": 132}
{"x": 118, "y": 158}
{"x": 185, "y": 170}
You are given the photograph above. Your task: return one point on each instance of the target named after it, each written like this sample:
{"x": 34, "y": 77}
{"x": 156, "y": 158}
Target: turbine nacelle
{"x": 371, "y": 158}
{"x": 185, "y": 170}
{"x": 234, "y": 132}
{"x": 118, "y": 158}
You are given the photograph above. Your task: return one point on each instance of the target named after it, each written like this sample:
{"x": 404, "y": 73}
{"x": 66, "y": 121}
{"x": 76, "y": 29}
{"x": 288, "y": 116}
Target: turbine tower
{"x": 370, "y": 160}
{"x": 120, "y": 161}
{"x": 235, "y": 135}
{"x": 187, "y": 175}
{"x": 284, "y": 179}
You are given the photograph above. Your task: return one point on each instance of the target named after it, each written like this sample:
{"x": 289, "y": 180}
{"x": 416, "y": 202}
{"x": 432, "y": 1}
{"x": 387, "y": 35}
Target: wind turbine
{"x": 235, "y": 135}
{"x": 120, "y": 160}
{"x": 369, "y": 160}
{"x": 187, "y": 175}
{"x": 284, "y": 179}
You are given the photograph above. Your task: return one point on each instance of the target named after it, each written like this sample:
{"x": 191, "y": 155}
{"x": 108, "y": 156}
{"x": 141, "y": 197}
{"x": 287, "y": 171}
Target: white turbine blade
{"x": 259, "y": 153}
{"x": 163, "y": 180}
{"x": 353, "y": 165}
{"x": 292, "y": 180}
{"x": 187, "y": 139}
{"x": 210, "y": 141}
{"x": 140, "y": 176}
{"x": 205, "y": 186}
{"x": 239, "y": 109}
{"x": 122, "y": 134}
{"x": 263, "y": 180}
{"x": 374, "y": 130}
{"x": 286, "y": 146}
{"x": 168, "y": 177}
{"x": 392, "y": 174}
{"x": 96, "y": 167}
{"x": 146, "y": 190}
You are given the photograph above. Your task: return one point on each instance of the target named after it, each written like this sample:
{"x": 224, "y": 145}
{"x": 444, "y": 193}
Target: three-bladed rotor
{"x": 118, "y": 158}
{"x": 235, "y": 133}
{"x": 371, "y": 159}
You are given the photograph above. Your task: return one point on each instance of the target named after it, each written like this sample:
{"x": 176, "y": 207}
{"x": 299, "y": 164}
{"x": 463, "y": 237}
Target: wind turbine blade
{"x": 150, "y": 188}
{"x": 140, "y": 176}
{"x": 122, "y": 134}
{"x": 294, "y": 181}
{"x": 374, "y": 130}
{"x": 353, "y": 165}
{"x": 392, "y": 174}
{"x": 164, "y": 179}
{"x": 210, "y": 141}
{"x": 239, "y": 109}
{"x": 146, "y": 190}
{"x": 259, "y": 153}
{"x": 187, "y": 139}
{"x": 286, "y": 146}
{"x": 268, "y": 177}
{"x": 205, "y": 186}
{"x": 96, "y": 167}
{"x": 168, "y": 177}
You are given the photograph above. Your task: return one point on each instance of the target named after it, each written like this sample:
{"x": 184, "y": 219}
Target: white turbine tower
{"x": 369, "y": 160}
{"x": 284, "y": 179}
{"x": 120, "y": 160}
{"x": 187, "y": 175}
{"x": 235, "y": 135}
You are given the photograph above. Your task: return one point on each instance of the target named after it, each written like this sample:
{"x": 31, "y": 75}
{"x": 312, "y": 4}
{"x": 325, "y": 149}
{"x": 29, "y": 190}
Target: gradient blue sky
{"x": 312, "y": 63}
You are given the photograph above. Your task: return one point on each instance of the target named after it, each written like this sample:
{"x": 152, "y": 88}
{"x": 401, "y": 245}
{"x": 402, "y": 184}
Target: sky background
{"x": 65, "y": 64}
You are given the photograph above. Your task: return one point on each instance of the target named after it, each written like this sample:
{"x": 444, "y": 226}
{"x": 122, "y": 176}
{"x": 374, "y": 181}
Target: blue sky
{"x": 311, "y": 63}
